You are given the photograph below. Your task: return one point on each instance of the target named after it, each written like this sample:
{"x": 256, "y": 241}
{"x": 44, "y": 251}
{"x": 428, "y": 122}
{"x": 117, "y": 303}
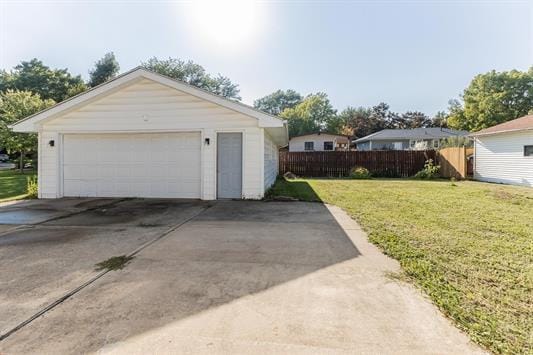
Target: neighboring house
{"x": 504, "y": 153}
{"x": 146, "y": 135}
{"x": 407, "y": 139}
{"x": 319, "y": 142}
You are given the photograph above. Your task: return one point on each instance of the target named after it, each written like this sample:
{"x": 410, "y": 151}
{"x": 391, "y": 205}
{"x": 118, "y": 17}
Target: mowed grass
{"x": 13, "y": 184}
{"x": 468, "y": 245}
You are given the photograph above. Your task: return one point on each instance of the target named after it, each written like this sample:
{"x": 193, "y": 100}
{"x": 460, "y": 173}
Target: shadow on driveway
{"x": 231, "y": 250}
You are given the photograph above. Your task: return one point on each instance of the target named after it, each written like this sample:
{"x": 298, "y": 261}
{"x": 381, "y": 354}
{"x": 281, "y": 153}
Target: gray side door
{"x": 229, "y": 165}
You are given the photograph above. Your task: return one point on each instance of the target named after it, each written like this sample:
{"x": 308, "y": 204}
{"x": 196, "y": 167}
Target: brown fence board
{"x": 453, "y": 162}
{"x": 386, "y": 163}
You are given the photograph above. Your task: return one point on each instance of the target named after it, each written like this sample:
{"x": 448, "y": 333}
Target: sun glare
{"x": 225, "y": 22}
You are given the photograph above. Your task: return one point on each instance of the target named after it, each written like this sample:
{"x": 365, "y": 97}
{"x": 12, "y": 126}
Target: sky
{"x": 413, "y": 55}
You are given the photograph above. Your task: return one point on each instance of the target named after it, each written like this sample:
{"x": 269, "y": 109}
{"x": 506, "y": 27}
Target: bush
{"x": 430, "y": 171}
{"x": 32, "y": 187}
{"x": 359, "y": 172}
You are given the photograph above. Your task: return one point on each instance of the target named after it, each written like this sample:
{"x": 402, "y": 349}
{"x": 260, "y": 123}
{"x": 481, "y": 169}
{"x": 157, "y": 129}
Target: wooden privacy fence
{"x": 384, "y": 163}
{"x": 453, "y": 162}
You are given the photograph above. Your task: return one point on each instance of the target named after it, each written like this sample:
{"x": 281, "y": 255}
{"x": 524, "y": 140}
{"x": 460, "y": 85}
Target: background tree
{"x": 383, "y": 117}
{"x": 193, "y": 74}
{"x": 15, "y": 105}
{"x": 493, "y": 98}
{"x": 357, "y": 121}
{"x": 278, "y": 101}
{"x": 104, "y": 69}
{"x": 414, "y": 119}
{"x": 440, "y": 120}
{"x": 34, "y": 76}
{"x": 311, "y": 115}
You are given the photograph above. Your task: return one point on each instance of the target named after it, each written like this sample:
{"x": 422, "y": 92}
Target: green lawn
{"x": 13, "y": 184}
{"x": 468, "y": 245}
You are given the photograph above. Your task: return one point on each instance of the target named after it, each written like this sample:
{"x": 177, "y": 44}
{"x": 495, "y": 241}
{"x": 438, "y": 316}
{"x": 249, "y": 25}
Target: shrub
{"x": 32, "y": 187}
{"x": 430, "y": 171}
{"x": 359, "y": 172}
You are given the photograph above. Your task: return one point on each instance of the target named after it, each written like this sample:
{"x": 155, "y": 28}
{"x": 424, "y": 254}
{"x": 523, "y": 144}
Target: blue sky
{"x": 414, "y": 55}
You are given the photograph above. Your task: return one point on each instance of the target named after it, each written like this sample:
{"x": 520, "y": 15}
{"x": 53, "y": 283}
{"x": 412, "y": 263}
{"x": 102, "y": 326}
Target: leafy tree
{"x": 414, "y": 119}
{"x": 278, "y": 101}
{"x": 193, "y": 74}
{"x": 440, "y": 120}
{"x": 311, "y": 115}
{"x": 34, "y": 76}
{"x": 383, "y": 117}
{"x": 363, "y": 121}
{"x": 357, "y": 121}
{"x": 104, "y": 69}
{"x": 493, "y": 98}
{"x": 15, "y": 105}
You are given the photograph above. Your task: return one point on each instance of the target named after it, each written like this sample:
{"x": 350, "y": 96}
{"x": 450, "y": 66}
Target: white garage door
{"x": 132, "y": 165}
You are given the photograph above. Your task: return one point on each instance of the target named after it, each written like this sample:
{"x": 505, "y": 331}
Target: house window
{"x": 309, "y": 145}
{"x": 328, "y": 145}
{"x": 412, "y": 144}
{"x": 435, "y": 143}
{"x": 528, "y": 150}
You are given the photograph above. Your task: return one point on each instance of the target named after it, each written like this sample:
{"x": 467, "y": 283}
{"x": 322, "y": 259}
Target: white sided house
{"x": 146, "y": 135}
{"x": 504, "y": 153}
{"x": 318, "y": 142}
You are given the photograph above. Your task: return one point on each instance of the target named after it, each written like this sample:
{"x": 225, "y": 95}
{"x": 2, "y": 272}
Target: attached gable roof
{"x": 519, "y": 124}
{"x": 28, "y": 124}
{"x": 414, "y": 133}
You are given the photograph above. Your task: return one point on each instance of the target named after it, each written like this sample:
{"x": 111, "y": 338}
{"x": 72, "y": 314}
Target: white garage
{"x": 146, "y": 135}
{"x": 504, "y": 153}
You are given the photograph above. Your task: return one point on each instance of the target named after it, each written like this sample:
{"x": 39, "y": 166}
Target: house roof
{"x": 28, "y": 124}
{"x": 519, "y": 124}
{"x": 319, "y": 133}
{"x": 414, "y": 133}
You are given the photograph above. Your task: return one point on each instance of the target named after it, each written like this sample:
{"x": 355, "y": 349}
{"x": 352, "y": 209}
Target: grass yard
{"x": 13, "y": 184}
{"x": 468, "y": 245}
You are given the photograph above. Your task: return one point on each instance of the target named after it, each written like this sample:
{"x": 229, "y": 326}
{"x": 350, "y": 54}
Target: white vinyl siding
{"x": 271, "y": 156}
{"x": 500, "y": 158}
{"x": 297, "y": 144}
{"x": 147, "y": 105}
{"x": 48, "y": 165}
{"x": 252, "y": 187}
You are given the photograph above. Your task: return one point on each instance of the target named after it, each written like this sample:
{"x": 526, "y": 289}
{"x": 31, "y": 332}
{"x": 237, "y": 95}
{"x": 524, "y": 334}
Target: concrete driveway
{"x": 212, "y": 277}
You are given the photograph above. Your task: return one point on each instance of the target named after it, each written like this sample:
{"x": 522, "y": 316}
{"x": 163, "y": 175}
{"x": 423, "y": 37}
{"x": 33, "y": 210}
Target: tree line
{"x": 490, "y": 98}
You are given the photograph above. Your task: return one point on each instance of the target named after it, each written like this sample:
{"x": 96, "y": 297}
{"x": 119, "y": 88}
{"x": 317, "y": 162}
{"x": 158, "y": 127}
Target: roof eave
{"x": 480, "y": 133}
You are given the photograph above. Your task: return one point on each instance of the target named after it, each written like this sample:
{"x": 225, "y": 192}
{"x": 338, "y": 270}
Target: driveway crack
{"x": 100, "y": 274}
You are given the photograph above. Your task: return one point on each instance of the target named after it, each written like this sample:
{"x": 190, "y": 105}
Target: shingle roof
{"x": 414, "y": 133}
{"x": 519, "y": 124}
{"x": 319, "y": 133}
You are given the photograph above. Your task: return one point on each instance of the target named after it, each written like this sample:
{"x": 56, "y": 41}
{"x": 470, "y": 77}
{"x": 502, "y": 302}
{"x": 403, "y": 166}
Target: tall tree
{"x": 358, "y": 121}
{"x": 493, "y": 98}
{"x": 440, "y": 120}
{"x": 415, "y": 119}
{"x": 15, "y": 105}
{"x": 104, "y": 69}
{"x": 34, "y": 76}
{"x": 193, "y": 74}
{"x": 311, "y": 115}
{"x": 278, "y": 101}
{"x": 383, "y": 116}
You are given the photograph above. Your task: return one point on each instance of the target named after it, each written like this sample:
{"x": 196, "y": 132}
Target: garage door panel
{"x": 136, "y": 165}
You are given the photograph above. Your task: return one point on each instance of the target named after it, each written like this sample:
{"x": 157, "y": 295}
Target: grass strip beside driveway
{"x": 13, "y": 184}
{"x": 468, "y": 245}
